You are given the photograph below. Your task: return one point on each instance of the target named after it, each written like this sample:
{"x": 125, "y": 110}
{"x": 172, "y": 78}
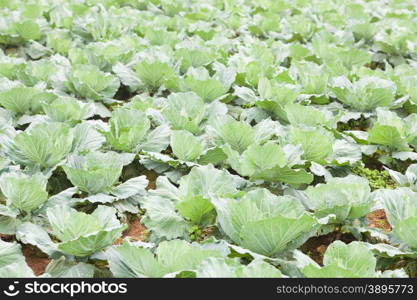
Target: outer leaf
{"x": 341, "y": 260}
{"x": 185, "y": 146}
{"x": 24, "y": 192}
{"x": 12, "y": 262}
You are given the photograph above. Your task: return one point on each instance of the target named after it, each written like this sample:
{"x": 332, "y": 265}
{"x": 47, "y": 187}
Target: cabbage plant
{"x": 171, "y": 211}
{"x": 153, "y": 74}
{"x": 24, "y": 192}
{"x": 67, "y": 110}
{"x": 82, "y": 234}
{"x": 265, "y": 223}
{"x": 128, "y": 128}
{"x": 44, "y": 145}
{"x": 267, "y": 162}
{"x": 365, "y": 94}
{"x": 12, "y": 263}
{"x": 346, "y": 198}
{"x": 184, "y": 111}
{"x": 392, "y": 131}
{"x": 24, "y": 100}
{"x": 401, "y": 209}
{"x": 344, "y": 261}
{"x": 178, "y": 258}
{"x": 95, "y": 172}
{"x": 231, "y": 138}
{"x": 408, "y": 179}
{"x": 89, "y": 82}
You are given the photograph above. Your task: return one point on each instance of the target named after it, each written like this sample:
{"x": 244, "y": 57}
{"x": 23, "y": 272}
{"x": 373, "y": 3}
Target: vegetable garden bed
{"x": 215, "y": 138}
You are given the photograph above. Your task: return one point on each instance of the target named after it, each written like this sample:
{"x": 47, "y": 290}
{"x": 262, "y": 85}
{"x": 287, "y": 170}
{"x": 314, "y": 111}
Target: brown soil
{"x": 151, "y": 176}
{"x": 151, "y": 185}
{"x": 372, "y": 162}
{"x": 135, "y": 232}
{"x": 123, "y": 93}
{"x": 375, "y": 65}
{"x": 6, "y": 237}
{"x": 315, "y": 247}
{"x": 378, "y": 219}
{"x": 167, "y": 151}
{"x": 35, "y": 259}
{"x": 206, "y": 233}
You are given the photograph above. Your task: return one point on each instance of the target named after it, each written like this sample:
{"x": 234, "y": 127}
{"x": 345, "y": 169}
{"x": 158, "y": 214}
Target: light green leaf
{"x": 61, "y": 268}
{"x": 347, "y": 197}
{"x": 89, "y": 82}
{"x": 387, "y": 136}
{"x": 35, "y": 235}
{"x": 12, "y": 261}
{"x": 45, "y": 144}
{"x": 238, "y": 135}
{"x": 153, "y": 74}
{"x": 24, "y": 192}
{"x": 95, "y": 172}
{"x": 185, "y": 146}
{"x": 286, "y": 174}
{"x": 184, "y": 111}
{"x": 209, "y": 89}
{"x": 344, "y": 260}
{"x": 317, "y": 143}
{"x": 257, "y": 158}
{"x": 128, "y": 128}
{"x": 274, "y": 235}
{"x": 195, "y": 208}
{"x": 82, "y": 234}
{"x": 265, "y": 223}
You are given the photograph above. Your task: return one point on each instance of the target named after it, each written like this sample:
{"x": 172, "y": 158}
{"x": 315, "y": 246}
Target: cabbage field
{"x": 208, "y": 138}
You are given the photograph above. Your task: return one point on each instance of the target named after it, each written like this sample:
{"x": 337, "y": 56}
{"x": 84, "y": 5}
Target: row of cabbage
{"x": 236, "y": 105}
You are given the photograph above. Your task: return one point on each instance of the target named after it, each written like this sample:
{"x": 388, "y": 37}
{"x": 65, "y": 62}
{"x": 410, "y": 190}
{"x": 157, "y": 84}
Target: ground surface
{"x": 234, "y": 138}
